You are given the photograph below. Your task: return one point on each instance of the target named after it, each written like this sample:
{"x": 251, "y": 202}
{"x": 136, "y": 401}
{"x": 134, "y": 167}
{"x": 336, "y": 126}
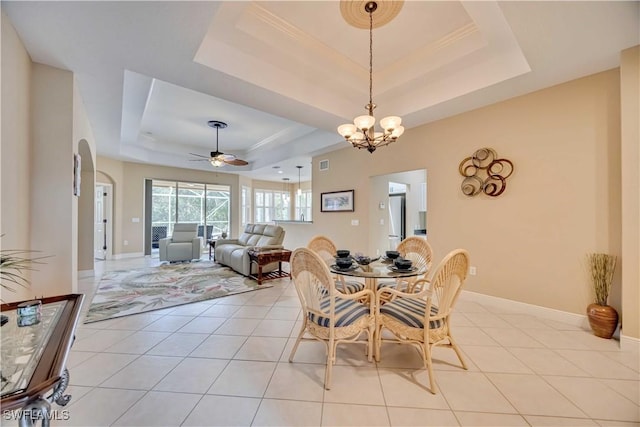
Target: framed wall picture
{"x": 337, "y": 201}
{"x": 77, "y": 170}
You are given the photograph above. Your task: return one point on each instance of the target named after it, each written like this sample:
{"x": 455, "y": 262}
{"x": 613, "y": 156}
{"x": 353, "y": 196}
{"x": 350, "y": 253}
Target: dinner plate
{"x": 402, "y": 270}
{"x": 335, "y": 267}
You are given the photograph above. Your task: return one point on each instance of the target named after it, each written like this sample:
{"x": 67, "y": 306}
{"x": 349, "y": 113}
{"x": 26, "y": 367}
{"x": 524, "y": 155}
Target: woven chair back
{"x": 447, "y": 280}
{"x": 324, "y": 247}
{"x": 313, "y": 282}
{"x": 418, "y": 250}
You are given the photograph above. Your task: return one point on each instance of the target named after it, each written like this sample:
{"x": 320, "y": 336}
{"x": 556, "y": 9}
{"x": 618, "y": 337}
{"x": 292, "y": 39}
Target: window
{"x": 303, "y": 206}
{"x": 271, "y": 205}
{"x": 246, "y": 205}
{"x": 207, "y": 205}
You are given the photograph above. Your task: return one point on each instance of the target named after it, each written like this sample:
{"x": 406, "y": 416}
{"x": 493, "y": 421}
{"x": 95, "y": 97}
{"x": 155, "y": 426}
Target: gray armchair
{"x": 183, "y": 245}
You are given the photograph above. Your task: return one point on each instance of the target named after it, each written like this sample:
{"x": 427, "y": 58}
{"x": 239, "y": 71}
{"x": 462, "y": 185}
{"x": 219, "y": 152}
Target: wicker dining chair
{"x": 419, "y": 251}
{"x": 329, "y": 316}
{"x": 422, "y": 318}
{"x": 324, "y": 246}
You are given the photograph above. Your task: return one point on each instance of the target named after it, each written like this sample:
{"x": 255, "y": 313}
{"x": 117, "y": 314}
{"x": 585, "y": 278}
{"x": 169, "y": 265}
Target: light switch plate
{"x": 355, "y": 222}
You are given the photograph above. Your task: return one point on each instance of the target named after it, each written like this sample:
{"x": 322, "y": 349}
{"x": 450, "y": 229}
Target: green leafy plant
{"x": 13, "y": 265}
{"x": 601, "y": 269}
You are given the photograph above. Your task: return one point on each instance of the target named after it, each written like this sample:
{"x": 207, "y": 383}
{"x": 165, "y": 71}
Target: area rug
{"x": 121, "y": 293}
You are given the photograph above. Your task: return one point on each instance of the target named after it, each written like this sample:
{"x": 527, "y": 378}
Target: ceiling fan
{"x": 217, "y": 158}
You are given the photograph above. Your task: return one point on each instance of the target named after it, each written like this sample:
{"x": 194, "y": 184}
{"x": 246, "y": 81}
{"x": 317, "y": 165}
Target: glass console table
{"x": 34, "y": 358}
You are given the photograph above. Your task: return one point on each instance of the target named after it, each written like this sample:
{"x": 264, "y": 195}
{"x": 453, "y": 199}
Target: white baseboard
{"x": 578, "y": 320}
{"x": 128, "y": 255}
{"x": 629, "y": 344}
{"x": 83, "y": 274}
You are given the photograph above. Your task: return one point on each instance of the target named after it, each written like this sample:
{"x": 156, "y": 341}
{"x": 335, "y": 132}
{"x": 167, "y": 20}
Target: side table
{"x": 266, "y": 257}
{"x": 34, "y": 358}
{"x": 212, "y": 246}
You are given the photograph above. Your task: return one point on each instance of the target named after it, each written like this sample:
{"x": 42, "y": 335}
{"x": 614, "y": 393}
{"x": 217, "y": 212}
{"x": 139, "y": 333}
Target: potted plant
{"x": 603, "y": 318}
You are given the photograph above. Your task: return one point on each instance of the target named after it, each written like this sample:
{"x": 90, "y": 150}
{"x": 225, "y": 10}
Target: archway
{"x": 86, "y": 210}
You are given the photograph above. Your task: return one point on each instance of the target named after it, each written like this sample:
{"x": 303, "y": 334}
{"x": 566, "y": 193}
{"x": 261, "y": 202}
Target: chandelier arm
{"x": 370, "y": 106}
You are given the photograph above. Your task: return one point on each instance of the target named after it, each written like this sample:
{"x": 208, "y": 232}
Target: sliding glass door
{"x": 207, "y": 205}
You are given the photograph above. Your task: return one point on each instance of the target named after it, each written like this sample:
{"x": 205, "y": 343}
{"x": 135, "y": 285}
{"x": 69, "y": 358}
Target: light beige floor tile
{"x": 219, "y": 346}
{"x": 609, "y": 423}
{"x": 192, "y": 375}
{"x": 192, "y": 309}
{"x": 512, "y": 337}
{"x": 243, "y": 378}
{"x": 408, "y": 388}
{"x": 555, "y": 339}
{"x": 297, "y": 381}
{"x": 251, "y": 312}
{"x": 143, "y": 373}
{"x": 178, "y": 344}
{"x": 530, "y": 394}
{"x": 223, "y": 411}
{"x": 237, "y": 299}
{"x": 421, "y": 417}
{"x": 598, "y": 365}
{"x": 562, "y": 326}
{"x": 222, "y": 309}
{"x": 471, "y": 391}
{"x": 446, "y": 359}
{"x": 307, "y": 352}
{"x": 547, "y": 362}
{"x": 487, "y": 320}
{"x": 465, "y": 305}
{"x": 288, "y": 301}
{"x": 352, "y": 354}
{"x": 524, "y": 321}
{"x": 159, "y": 409}
{"x": 261, "y": 348}
{"x": 337, "y": 414}
{"x": 596, "y": 399}
{"x": 101, "y": 340}
{"x": 288, "y": 413}
{"x": 359, "y": 386}
{"x": 138, "y": 343}
{"x": 274, "y": 328}
{"x": 539, "y": 421}
{"x": 203, "y": 325}
{"x": 400, "y": 356}
{"x": 259, "y": 299}
{"x": 472, "y": 336}
{"x": 283, "y": 313}
{"x": 495, "y": 359}
{"x": 627, "y": 358}
{"x": 238, "y": 326}
{"x": 101, "y": 406}
{"x": 168, "y": 323}
{"x": 459, "y": 319}
{"x": 627, "y": 388}
{"x": 473, "y": 419}
{"x": 77, "y": 357}
{"x": 98, "y": 368}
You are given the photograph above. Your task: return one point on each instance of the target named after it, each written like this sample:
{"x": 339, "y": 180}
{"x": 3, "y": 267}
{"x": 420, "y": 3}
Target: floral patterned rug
{"x": 121, "y": 293}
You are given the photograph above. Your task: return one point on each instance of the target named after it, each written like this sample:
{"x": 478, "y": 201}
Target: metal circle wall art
{"x": 484, "y": 172}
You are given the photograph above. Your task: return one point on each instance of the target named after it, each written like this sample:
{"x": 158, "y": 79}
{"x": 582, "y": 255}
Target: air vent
{"x": 324, "y": 165}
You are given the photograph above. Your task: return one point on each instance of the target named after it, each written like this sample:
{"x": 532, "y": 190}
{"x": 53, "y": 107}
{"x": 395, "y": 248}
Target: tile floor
{"x": 224, "y": 362}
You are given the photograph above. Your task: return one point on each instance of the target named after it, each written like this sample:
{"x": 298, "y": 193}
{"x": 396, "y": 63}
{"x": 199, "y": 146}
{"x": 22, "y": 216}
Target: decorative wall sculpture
{"x": 485, "y": 172}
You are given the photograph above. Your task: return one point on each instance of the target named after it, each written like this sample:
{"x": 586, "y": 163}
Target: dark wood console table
{"x": 34, "y": 358}
{"x": 266, "y": 257}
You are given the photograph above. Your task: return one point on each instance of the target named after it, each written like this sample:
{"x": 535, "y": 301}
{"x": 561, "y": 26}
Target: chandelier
{"x": 362, "y": 134}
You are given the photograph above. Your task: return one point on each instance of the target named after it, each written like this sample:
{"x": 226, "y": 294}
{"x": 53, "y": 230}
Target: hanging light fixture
{"x": 299, "y": 188}
{"x": 285, "y": 189}
{"x": 361, "y": 134}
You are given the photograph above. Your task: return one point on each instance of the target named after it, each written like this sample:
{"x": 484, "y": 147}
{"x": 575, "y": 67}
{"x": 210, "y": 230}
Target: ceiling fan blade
{"x": 226, "y": 157}
{"x": 199, "y": 160}
{"x": 199, "y": 155}
{"x": 236, "y": 162}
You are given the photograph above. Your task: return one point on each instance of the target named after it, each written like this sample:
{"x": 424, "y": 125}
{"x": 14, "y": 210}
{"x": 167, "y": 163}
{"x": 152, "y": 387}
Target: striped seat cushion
{"x": 349, "y": 287}
{"x": 347, "y": 312}
{"x": 410, "y": 312}
{"x": 387, "y": 284}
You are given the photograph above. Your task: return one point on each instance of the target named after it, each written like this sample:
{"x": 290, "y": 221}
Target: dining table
{"x": 382, "y": 268}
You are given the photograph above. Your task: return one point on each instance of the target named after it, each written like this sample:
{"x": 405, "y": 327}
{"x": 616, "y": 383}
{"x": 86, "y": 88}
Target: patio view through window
{"x": 207, "y": 205}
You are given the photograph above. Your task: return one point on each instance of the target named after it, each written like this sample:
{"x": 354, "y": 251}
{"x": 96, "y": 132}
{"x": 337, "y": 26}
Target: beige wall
{"x": 562, "y": 202}
{"x": 630, "y": 92}
{"x": 15, "y": 168}
{"x": 40, "y": 134}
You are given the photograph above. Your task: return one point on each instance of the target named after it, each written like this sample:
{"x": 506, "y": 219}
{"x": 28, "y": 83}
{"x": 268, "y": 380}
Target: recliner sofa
{"x": 234, "y": 252}
{"x": 183, "y": 245}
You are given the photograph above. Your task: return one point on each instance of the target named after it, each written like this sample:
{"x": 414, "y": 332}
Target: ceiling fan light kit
{"x": 218, "y": 158}
{"x": 361, "y": 134}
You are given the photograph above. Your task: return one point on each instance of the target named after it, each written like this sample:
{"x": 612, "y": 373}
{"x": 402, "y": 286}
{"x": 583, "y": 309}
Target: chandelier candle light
{"x": 361, "y": 134}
